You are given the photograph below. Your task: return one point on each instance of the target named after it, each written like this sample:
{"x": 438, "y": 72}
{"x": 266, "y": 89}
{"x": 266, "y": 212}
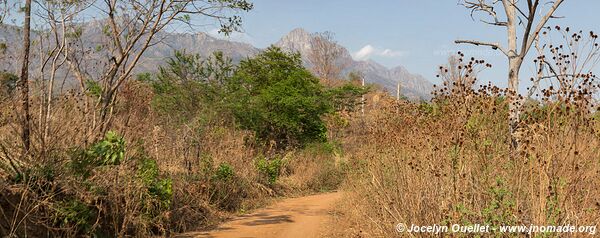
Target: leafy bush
{"x": 108, "y": 151}
{"x": 501, "y": 207}
{"x": 224, "y": 172}
{"x": 269, "y": 169}
{"x": 93, "y": 88}
{"x": 273, "y": 95}
{"x": 226, "y": 190}
{"x": 74, "y": 213}
{"x": 324, "y": 148}
{"x": 346, "y": 97}
{"x": 188, "y": 84}
{"x": 159, "y": 189}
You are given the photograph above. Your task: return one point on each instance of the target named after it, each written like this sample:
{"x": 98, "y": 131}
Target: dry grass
{"x": 212, "y": 168}
{"x": 449, "y": 162}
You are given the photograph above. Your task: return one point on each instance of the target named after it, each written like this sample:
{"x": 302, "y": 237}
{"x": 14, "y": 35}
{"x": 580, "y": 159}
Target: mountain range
{"x": 413, "y": 86}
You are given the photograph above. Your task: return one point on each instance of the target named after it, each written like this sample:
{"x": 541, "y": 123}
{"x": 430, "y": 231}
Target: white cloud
{"x": 368, "y": 51}
{"x": 364, "y": 53}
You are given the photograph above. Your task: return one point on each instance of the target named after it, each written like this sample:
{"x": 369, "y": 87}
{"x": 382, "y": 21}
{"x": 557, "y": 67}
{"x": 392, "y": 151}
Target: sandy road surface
{"x": 302, "y": 217}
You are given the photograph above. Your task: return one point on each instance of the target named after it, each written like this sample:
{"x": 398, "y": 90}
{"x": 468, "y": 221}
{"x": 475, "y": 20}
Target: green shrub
{"x": 346, "y": 97}
{"x": 324, "y": 148}
{"x": 273, "y": 95}
{"x": 190, "y": 86}
{"x": 93, "y": 88}
{"x": 40, "y": 178}
{"x": 269, "y": 169}
{"x": 227, "y": 190}
{"x": 224, "y": 172}
{"x": 108, "y": 151}
{"x": 433, "y": 109}
{"x": 501, "y": 208}
{"x": 158, "y": 189}
{"x": 74, "y": 213}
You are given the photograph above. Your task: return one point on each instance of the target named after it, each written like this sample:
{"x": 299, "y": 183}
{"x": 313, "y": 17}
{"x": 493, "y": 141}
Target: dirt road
{"x": 302, "y": 217}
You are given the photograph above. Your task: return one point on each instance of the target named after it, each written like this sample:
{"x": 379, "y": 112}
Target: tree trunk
{"x": 514, "y": 66}
{"x": 514, "y": 106}
{"x": 24, "y": 82}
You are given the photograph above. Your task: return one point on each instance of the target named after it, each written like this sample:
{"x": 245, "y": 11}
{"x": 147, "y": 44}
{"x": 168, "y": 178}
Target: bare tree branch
{"x": 495, "y": 46}
{"x": 539, "y": 27}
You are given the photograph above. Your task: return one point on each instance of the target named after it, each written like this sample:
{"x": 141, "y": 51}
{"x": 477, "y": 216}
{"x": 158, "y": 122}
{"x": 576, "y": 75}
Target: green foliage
{"x": 40, "y": 177}
{"x": 324, "y": 148}
{"x": 272, "y": 95}
{"x": 224, "y": 172}
{"x": 109, "y": 151}
{"x": 269, "y": 169}
{"x": 474, "y": 124}
{"x": 501, "y": 208}
{"x": 190, "y": 86}
{"x": 159, "y": 189}
{"x": 225, "y": 188}
{"x": 8, "y": 84}
{"x": 148, "y": 170}
{"x": 277, "y": 98}
{"x": 74, "y": 213}
{"x": 75, "y": 34}
{"x": 144, "y": 77}
{"x": 346, "y": 97}
{"x": 93, "y": 88}
{"x": 432, "y": 109}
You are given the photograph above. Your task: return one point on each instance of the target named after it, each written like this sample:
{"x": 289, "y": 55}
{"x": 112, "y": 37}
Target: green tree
{"x": 273, "y": 95}
{"x": 189, "y": 83}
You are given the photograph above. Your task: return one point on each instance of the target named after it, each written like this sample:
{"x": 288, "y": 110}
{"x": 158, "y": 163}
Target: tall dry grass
{"x": 450, "y": 162}
{"x": 206, "y": 170}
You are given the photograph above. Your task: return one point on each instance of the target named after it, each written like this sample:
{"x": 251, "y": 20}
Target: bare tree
{"x": 131, "y": 27}
{"x": 515, "y": 14}
{"x": 57, "y": 18}
{"x": 3, "y": 10}
{"x": 325, "y": 56}
{"x": 24, "y": 79}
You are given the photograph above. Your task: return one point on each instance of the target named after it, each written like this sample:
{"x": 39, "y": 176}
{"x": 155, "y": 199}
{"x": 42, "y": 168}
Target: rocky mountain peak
{"x": 296, "y": 40}
{"x": 413, "y": 85}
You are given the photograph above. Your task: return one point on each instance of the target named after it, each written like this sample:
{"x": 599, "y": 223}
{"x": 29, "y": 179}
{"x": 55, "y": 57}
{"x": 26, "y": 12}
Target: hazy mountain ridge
{"x": 412, "y": 85}
{"x": 298, "y": 40}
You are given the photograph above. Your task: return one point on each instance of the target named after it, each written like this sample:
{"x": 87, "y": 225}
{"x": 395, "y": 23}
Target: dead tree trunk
{"x": 515, "y": 15}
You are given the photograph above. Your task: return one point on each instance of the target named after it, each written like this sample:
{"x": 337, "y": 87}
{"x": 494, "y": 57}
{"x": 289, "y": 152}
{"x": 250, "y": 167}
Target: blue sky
{"x": 418, "y": 35}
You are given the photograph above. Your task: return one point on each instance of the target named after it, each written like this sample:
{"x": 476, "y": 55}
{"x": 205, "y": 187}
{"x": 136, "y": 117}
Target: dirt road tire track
{"x": 303, "y": 217}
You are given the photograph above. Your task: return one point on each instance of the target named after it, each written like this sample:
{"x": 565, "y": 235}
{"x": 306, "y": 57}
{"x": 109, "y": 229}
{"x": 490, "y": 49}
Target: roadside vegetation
{"x": 201, "y": 138}
{"x": 450, "y": 161}
{"x": 198, "y": 140}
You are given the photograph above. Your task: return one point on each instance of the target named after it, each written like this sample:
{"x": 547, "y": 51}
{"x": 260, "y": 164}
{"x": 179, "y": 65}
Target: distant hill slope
{"x": 413, "y": 86}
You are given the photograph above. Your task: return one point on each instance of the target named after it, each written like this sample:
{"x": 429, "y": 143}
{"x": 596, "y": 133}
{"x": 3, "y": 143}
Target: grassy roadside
{"x": 449, "y": 162}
